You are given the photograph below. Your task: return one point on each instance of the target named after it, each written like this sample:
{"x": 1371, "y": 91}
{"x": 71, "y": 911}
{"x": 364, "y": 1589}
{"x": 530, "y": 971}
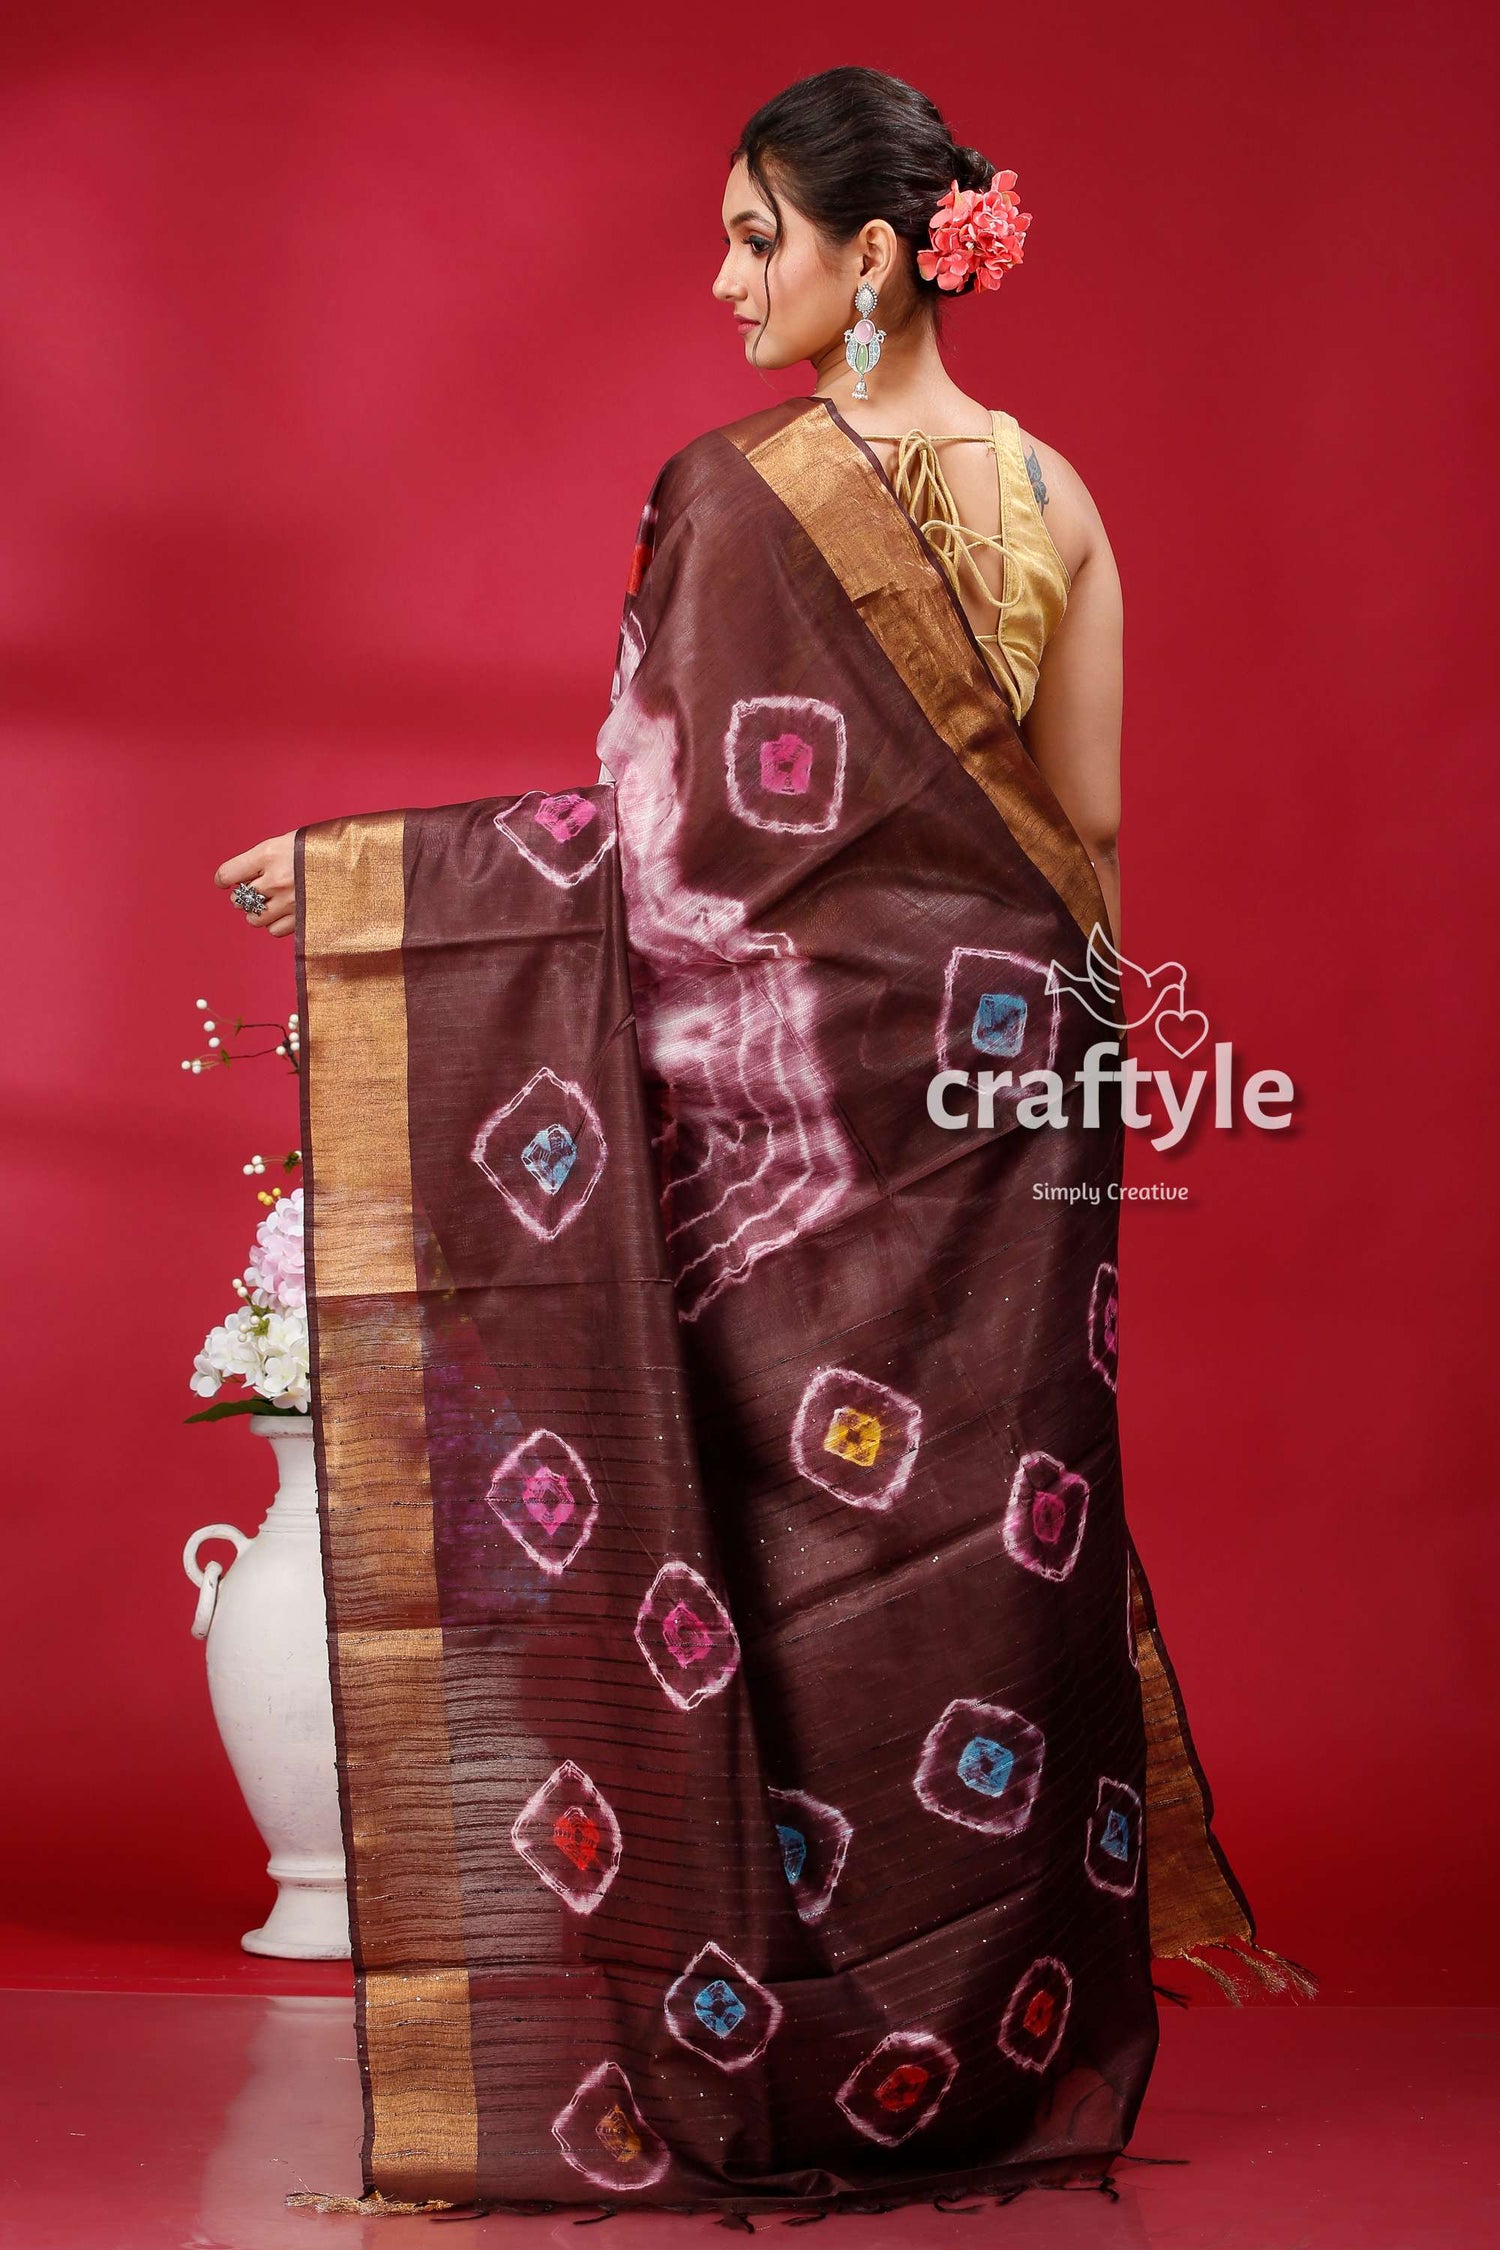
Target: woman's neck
{"x": 910, "y": 388}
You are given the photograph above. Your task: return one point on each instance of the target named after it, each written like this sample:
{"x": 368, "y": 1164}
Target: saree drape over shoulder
{"x": 764, "y": 1782}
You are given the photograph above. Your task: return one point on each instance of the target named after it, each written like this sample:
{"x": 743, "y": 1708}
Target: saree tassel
{"x": 1227, "y": 1984}
{"x": 371, "y": 2206}
{"x": 1271, "y": 1965}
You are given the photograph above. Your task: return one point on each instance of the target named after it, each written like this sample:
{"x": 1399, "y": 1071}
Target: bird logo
{"x": 1118, "y": 992}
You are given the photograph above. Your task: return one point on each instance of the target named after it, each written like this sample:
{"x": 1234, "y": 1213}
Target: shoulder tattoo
{"x": 1038, "y": 481}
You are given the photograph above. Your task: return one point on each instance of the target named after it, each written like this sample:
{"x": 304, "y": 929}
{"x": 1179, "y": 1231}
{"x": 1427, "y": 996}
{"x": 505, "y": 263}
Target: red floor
{"x": 179, "y": 2120}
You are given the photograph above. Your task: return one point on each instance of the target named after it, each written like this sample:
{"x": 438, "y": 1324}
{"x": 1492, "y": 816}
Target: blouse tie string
{"x": 921, "y": 485}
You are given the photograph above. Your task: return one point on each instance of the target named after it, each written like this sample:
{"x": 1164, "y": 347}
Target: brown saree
{"x": 764, "y": 1782}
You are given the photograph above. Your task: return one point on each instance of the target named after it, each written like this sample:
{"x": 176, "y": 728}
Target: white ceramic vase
{"x": 266, "y": 1624}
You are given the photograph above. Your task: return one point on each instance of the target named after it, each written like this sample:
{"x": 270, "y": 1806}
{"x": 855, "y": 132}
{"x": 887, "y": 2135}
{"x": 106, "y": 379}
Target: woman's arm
{"x": 1072, "y": 729}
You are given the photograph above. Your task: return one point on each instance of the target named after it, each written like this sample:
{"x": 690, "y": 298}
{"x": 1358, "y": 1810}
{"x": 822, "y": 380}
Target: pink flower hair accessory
{"x": 978, "y": 231}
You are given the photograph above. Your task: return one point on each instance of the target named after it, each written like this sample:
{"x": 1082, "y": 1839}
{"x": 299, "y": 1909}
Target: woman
{"x": 753, "y": 1727}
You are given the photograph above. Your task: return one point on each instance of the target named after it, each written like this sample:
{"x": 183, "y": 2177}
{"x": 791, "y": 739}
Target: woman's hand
{"x": 268, "y": 869}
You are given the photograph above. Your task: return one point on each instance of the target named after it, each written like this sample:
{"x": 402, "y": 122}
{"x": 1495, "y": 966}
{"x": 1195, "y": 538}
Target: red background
{"x": 339, "y": 350}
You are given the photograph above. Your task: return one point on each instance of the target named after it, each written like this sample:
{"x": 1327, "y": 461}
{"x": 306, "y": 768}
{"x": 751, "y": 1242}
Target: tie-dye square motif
{"x": 784, "y": 758}
{"x": 720, "y": 2011}
{"x": 1045, "y": 1516}
{"x": 562, "y": 834}
{"x": 603, "y": 2135}
{"x": 1036, "y": 2014}
{"x": 686, "y": 1636}
{"x": 1104, "y": 1324}
{"x": 997, "y": 1015}
{"x": 813, "y": 1839}
{"x": 545, "y": 1498}
{"x": 568, "y": 1835}
{"x": 899, "y": 2087}
{"x": 1112, "y": 1858}
{"x": 543, "y": 1152}
{"x": 981, "y": 1766}
{"x": 855, "y": 1437}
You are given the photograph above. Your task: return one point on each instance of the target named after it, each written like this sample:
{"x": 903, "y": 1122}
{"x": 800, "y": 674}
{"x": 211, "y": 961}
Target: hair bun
{"x": 971, "y": 168}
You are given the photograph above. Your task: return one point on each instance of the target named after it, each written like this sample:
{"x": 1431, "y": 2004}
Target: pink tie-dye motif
{"x": 548, "y": 1500}
{"x": 565, "y": 816}
{"x": 786, "y": 765}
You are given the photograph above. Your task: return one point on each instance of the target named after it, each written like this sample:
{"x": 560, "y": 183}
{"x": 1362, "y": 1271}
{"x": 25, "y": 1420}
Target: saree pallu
{"x": 764, "y": 1782}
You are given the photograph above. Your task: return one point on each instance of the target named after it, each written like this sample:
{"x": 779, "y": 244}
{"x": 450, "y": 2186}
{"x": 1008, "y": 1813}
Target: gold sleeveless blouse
{"x": 1035, "y": 581}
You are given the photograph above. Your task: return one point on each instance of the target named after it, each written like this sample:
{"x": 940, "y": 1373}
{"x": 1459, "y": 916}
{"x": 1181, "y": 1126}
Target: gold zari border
{"x": 385, "y": 1624}
{"x": 838, "y": 495}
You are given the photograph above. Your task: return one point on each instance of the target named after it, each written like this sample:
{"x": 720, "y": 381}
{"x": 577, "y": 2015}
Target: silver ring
{"x": 247, "y": 897}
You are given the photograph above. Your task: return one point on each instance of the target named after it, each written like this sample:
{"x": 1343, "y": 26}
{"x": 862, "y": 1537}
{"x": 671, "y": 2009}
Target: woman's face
{"x": 812, "y": 285}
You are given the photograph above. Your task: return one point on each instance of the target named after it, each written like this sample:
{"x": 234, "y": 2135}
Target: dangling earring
{"x": 862, "y": 342}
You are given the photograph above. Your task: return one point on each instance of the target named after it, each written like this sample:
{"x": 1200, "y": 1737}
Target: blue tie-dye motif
{"x": 549, "y": 1156}
{"x": 1000, "y": 1023}
{"x": 1116, "y": 1837}
{"x": 719, "y": 2008}
{"x": 985, "y": 1764}
{"x": 793, "y": 1851}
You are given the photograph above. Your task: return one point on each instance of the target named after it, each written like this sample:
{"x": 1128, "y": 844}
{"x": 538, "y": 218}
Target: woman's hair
{"x": 849, "y": 145}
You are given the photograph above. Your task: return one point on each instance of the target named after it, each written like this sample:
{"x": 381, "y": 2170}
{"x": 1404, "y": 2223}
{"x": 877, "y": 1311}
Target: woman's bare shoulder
{"x": 1067, "y": 505}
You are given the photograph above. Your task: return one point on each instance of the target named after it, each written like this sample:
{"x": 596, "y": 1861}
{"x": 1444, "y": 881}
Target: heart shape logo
{"x": 1182, "y": 1045}
{"x": 548, "y": 1500}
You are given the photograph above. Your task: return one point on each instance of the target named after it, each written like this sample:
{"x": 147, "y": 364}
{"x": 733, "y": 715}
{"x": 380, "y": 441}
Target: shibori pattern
{"x": 753, "y": 1154}
{"x": 721, "y": 2012}
{"x": 1112, "y": 1859}
{"x": 855, "y": 1437}
{"x": 1045, "y": 1516}
{"x": 1104, "y": 1324}
{"x": 899, "y": 2087}
{"x": 603, "y": 2135}
{"x": 813, "y": 1839}
{"x": 998, "y": 1014}
{"x": 784, "y": 759}
{"x": 543, "y": 1151}
{"x": 981, "y": 1766}
{"x": 1036, "y": 2014}
{"x": 564, "y": 835}
{"x": 686, "y": 1636}
{"x": 752, "y": 1150}
{"x": 631, "y": 649}
{"x": 545, "y": 1497}
{"x": 568, "y": 1835}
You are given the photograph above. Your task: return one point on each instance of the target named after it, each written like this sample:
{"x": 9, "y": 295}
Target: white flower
{"x": 266, "y": 1351}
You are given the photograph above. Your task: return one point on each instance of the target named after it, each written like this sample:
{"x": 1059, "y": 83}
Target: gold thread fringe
{"x": 1301, "y": 1980}
{"x": 372, "y": 2206}
{"x": 1275, "y": 1970}
{"x": 1226, "y": 1983}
